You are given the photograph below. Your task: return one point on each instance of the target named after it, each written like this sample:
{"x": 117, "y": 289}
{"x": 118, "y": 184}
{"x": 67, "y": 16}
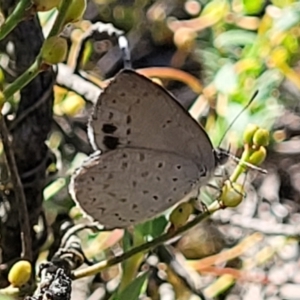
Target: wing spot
{"x": 178, "y": 167}
{"x": 109, "y": 128}
{"x": 142, "y": 156}
{"x": 160, "y": 165}
{"x": 124, "y": 165}
{"x": 94, "y": 199}
{"x": 128, "y": 131}
{"x": 114, "y": 101}
{"x": 158, "y": 178}
{"x": 117, "y": 215}
{"x": 145, "y": 94}
{"x": 111, "y": 142}
{"x": 123, "y": 200}
{"x": 134, "y": 206}
{"x": 174, "y": 189}
{"x": 170, "y": 200}
{"x": 122, "y": 94}
{"x": 138, "y": 100}
{"x": 93, "y": 178}
{"x": 124, "y": 155}
{"x": 112, "y": 194}
{"x": 145, "y": 174}
{"x": 128, "y": 119}
{"x": 145, "y": 192}
{"x": 105, "y": 186}
{"x": 174, "y": 179}
{"x": 134, "y": 183}
{"x": 155, "y": 198}
{"x": 110, "y": 115}
{"x": 131, "y": 220}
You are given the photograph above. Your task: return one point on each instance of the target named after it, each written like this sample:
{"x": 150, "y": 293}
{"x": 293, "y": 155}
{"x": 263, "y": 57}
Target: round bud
{"x": 249, "y": 133}
{"x": 261, "y": 137}
{"x": 75, "y": 11}
{"x": 232, "y": 194}
{"x": 45, "y": 5}
{"x": 20, "y": 273}
{"x": 54, "y": 50}
{"x": 181, "y": 213}
{"x": 258, "y": 156}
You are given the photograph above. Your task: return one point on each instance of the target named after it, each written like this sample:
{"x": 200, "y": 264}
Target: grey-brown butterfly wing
{"x": 128, "y": 186}
{"x": 134, "y": 112}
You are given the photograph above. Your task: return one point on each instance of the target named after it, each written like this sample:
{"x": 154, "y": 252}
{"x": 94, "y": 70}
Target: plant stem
{"x": 34, "y": 69}
{"x": 19, "y": 192}
{"x": 14, "y": 18}
{"x": 22, "y": 80}
{"x": 98, "y": 267}
{"x": 60, "y": 19}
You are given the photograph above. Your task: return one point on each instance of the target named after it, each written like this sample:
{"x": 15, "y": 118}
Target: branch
{"x": 19, "y": 192}
{"x": 98, "y": 267}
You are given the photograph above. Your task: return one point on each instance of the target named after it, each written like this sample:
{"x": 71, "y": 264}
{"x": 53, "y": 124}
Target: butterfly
{"x": 149, "y": 154}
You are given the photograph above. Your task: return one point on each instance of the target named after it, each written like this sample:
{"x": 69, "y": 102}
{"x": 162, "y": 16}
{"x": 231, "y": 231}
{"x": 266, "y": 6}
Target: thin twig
{"x": 32, "y": 108}
{"x": 98, "y": 267}
{"x": 75, "y": 229}
{"x": 19, "y": 192}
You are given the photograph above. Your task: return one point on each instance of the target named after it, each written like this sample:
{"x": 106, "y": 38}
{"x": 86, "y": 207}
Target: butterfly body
{"x": 152, "y": 154}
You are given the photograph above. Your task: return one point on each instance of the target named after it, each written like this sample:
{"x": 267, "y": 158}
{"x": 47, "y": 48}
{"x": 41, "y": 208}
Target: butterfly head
{"x": 221, "y": 155}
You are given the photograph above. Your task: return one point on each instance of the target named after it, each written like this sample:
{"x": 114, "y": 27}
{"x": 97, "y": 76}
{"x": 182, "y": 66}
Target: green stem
{"x": 98, "y": 267}
{"x": 34, "y": 69}
{"x": 22, "y": 80}
{"x": 14, "y": 18}
{"x": 131, "y": 266}
{"x": 240, "y": 168}
{"x": 60, "y": 19}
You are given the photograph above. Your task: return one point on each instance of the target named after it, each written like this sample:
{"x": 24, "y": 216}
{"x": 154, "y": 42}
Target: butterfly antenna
{"x": 124, "y": 46}
{"x": 237, "y": 116}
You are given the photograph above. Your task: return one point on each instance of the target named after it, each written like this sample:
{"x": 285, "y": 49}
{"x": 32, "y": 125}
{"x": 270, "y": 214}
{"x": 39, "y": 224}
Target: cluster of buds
{"x": 232, "y": 193}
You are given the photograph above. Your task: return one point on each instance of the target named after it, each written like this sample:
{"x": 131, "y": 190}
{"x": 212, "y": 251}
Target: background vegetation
{"x": 213, "y": 56}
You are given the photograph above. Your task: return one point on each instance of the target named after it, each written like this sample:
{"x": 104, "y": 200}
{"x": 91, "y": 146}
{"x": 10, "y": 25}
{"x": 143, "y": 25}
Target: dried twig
{"x": 19, "y": 192}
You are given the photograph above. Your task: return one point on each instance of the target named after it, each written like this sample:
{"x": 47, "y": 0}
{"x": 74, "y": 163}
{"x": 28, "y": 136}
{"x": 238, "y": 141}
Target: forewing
{"x": 128, "y": 186}
{"x": 134, "y": 112}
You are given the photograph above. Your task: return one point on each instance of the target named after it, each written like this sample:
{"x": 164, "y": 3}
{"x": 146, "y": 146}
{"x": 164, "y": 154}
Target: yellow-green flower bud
{"x": 261, "y": 137}
{"x": 180, "y": 215}
{"x": 45, "y": 5}
{"x": 20, "y": 273}
{"x": 232, "y": 194}
{"x": 249, "y": 133}
{"x": 258, "y": 156}
{"x": 54, "y": 50}
{"x": 75, "y": 11}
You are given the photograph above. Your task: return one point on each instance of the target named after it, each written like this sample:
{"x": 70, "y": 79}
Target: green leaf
{"x": 133, "y": 290}
{"x": 226, "y": 80}
{"x": 153, "y": 228}
{"x": 233, "y": 38}
{"x": 127, "y": 241}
